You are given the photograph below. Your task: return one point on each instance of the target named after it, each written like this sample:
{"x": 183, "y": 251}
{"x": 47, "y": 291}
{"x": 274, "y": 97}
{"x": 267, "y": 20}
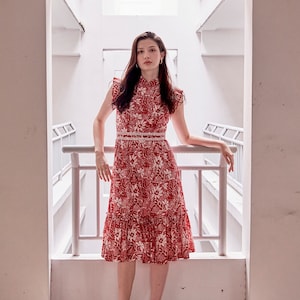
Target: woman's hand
{"x": 228, "y": 155}
{"x": 102, "y": 166}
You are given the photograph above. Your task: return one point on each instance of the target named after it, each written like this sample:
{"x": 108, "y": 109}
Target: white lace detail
{"x": 141, "y": 136}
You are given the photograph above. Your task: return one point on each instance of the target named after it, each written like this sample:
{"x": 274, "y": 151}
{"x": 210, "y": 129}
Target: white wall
{"x": 213, "y": 86}
{"x": 24, "y": 264}
{"x": 274, "y": 256}
{"x": 247, "y": 135}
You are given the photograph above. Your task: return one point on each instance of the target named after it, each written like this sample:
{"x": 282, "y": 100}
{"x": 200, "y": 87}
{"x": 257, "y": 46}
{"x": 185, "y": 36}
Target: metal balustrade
{"x": 221, "y": 168}
{"x": 233, "y": 136}
{"x": 62, "y": 134}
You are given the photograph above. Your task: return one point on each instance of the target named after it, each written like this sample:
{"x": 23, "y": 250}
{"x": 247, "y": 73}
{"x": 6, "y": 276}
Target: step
{"x": 202, "y": 277}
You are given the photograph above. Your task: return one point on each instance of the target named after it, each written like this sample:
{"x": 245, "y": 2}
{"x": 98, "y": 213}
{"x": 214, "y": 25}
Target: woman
{"x": 147, "y": 218}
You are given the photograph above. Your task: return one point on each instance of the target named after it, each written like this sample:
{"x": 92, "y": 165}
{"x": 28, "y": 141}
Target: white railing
{"x": 233, "y": 136}
{"x": 62, "y": 134}
{"x": 221, "y": 167}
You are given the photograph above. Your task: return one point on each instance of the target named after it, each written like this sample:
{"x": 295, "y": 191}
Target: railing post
{"x": 200, "y": 202}
{"x": 98, "y": 204}
{"x": 223, "y": 206}
{"x": 75, "y": 203}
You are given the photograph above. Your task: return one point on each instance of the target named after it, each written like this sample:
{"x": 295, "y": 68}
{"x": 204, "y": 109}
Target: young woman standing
{"x": 146, "y": 219}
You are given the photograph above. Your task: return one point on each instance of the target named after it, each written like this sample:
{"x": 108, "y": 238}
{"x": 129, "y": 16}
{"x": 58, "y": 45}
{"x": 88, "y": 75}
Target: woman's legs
{"x": 158, "y": 275}
{"x": 126, "y": 272}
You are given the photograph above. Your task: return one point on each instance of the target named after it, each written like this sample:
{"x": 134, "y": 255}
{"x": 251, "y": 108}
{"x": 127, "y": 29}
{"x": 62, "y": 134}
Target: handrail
{"x": 175, "y": 149}
{"x": 75, "y": 150}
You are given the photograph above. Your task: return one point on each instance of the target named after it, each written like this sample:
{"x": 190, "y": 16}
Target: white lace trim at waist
{"x": 137, "y": 136}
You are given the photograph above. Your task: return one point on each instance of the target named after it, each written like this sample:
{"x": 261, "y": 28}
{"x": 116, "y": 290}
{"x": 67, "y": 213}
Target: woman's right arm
{"x": 98, "y": 133}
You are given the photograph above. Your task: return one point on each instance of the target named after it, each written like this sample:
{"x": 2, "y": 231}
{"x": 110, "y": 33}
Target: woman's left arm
{"x": 184, "y": 136}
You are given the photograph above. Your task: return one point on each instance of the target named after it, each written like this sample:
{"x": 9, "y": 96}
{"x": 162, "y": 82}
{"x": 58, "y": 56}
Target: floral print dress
{"x": 146, "y": 219}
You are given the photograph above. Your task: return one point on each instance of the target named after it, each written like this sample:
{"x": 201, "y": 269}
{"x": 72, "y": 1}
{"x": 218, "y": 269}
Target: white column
{"x": 274, "y": 171}
{"x": 24, "y": 261}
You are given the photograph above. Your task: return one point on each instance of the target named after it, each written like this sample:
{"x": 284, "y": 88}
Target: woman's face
{"x": 148, "y": 55}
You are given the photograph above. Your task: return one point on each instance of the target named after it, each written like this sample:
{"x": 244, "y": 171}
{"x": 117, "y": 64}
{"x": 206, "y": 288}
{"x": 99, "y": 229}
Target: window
{"x": 140, "y": 7}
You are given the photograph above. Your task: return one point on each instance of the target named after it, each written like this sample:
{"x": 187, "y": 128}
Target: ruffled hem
{"x": 152, "y": 239}
{"x": 110, "y": 258}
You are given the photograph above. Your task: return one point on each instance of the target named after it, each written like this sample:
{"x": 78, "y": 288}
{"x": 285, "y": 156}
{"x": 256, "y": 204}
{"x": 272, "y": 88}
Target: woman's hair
{"x": 133, "y": 73}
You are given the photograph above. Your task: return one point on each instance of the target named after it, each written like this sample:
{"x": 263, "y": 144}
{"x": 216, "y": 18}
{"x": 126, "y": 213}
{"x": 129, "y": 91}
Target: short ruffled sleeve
{"x": 179, "y": 97}
{"x": 115, "y": 89}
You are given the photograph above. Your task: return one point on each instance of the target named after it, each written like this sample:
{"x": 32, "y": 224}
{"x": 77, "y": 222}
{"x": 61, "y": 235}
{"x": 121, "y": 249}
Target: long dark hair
{"x": 132, "y": 76}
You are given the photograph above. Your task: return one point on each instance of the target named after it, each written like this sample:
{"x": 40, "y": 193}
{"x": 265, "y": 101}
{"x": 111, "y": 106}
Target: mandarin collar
{"x": 153, "y": 82}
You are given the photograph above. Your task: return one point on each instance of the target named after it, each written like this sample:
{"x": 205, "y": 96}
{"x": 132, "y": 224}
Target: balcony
{"x": 187, "y": 279}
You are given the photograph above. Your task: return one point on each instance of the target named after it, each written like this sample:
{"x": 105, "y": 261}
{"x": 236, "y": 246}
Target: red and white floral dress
{"x": 147, "y": 218}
